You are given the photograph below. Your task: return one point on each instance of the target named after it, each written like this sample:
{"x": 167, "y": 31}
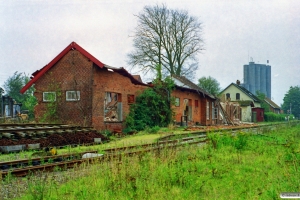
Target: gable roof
{"x": 183, "y": 83}
{"x": 271, "y": 103}
{"x": 245, "y": 91}
{"x": 39, "y": 73}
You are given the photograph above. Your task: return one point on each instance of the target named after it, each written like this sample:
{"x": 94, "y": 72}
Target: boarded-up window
{"x": 190, "y": 102}
{"x": 112, "y": 107}
{"x": 130, "y": 98}
{"x": 196, "y": 103}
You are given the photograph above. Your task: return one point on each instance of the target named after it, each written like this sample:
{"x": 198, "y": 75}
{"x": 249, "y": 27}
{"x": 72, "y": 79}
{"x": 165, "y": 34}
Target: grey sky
{"x": 34, "y": 32}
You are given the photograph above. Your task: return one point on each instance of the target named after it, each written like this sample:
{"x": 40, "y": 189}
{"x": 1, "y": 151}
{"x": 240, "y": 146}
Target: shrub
{"x": 272, "y": 117}
{"x": 154, "y": 129}
{"x": 152, "y": 107}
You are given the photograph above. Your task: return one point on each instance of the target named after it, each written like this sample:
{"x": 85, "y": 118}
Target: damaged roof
{"x": 39, "y": 73}
{"x": 184, "y": 83}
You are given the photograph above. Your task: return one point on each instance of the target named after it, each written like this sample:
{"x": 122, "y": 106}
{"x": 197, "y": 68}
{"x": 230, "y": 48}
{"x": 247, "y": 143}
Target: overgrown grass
{"x": 239, "y": 166}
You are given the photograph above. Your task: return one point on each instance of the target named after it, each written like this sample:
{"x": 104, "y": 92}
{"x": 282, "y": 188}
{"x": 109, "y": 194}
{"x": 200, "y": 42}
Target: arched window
{"x": 227, "y": 96}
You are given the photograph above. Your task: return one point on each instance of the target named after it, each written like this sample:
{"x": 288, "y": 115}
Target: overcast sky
{"x": 34, "y": 32}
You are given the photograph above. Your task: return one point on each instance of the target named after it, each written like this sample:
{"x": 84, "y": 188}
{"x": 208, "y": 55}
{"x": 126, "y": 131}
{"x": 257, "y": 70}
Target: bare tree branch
{"x": 167, "y": 37}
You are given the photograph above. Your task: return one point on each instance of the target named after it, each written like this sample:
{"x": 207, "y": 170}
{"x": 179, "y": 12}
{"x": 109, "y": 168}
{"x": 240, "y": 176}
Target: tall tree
{"x": 13, "y": 86}
{"x": 291, "y": 101}
{"x": 166, "y": 37}
{"x": 210, "y": 85}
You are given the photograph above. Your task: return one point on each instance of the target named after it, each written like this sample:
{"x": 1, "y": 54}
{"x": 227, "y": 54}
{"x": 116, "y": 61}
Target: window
{"x": 130, "y": 98}
{"x": 73, "y": 95}
{"x": 212, "y": 110}
{"x": 227, "y": 96}
{"x": 49, "y": 96}
{"x": 237, "y": 96}
{"x": 216, "y": 111}
{"x": 196, "y": 103}
{"x": 177, "y": 101}
{"x": 207, "y": 110}
{"x": 112, "y": 107}
{"x": 187, "y": 103}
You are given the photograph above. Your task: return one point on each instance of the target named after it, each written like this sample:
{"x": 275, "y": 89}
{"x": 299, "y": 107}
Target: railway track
{"x": 23, "y": 167}
{"x": 18, "y": 137}
{"x": 19, "y": 168}
{"x": 13, "y": 131}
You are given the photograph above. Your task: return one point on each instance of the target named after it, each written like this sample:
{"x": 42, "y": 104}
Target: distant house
{"x": 250, "y": 104}
{"x": 86, "y": 92}
{"x": 273, "y": 106}
{"x": 194, "y": 105}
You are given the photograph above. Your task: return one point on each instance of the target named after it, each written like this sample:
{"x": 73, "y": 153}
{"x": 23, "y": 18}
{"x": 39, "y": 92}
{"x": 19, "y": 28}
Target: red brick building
{"x": 87, "y": 92}
{"x": 193, "y": 105}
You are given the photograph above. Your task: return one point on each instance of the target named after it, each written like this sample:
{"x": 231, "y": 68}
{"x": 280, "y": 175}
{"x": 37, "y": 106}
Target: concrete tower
{"x": 257, "y": 77}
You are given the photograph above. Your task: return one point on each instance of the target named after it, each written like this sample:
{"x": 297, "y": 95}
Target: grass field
{"x": 242, "y": 166}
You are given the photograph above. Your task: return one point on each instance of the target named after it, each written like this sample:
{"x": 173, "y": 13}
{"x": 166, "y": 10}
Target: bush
{"x": 154, "y": 129}
{"x": 152, "y": 108}
{"x": 272, "y": 117}
{"x": 106, "y": 133}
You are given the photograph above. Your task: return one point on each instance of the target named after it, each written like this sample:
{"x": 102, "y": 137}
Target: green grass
{"x": 243, "y": 166}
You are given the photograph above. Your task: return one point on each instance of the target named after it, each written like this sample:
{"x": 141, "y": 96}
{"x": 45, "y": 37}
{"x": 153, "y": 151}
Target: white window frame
{"x": 216, "y": 111}
{"x": 207, "y": 110}
{"x": 73, "y": 93}
{"x": 212, "y": 110}
{"x": 177, "y": 101}
{"x": 49, "y": 100}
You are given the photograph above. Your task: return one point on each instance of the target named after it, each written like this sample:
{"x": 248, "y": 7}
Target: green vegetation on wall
{"x": 152, "y": 107}
{"x": 50, "y": 114}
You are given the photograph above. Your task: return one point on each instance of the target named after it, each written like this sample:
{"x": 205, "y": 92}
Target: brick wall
{"x": 107, "y": 81}
{"x": 198, "y": 112}
{"x": 72, "y": 72}
{"x": 75, "y": 72}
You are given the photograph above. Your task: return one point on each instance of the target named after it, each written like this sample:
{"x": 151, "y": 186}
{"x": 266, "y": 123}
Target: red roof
{"x": 37, "y": 74}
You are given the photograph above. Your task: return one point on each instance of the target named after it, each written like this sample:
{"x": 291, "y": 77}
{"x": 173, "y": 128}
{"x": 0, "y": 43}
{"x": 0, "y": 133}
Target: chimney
{"x": 238, "y": 82}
